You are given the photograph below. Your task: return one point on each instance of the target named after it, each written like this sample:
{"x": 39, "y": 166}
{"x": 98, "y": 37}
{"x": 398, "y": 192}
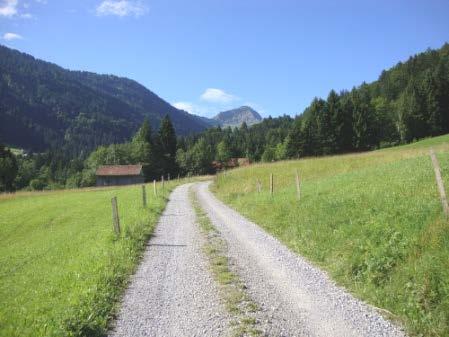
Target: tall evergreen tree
{"x": 337, "y": 118}
{"x": 294, "y": 140}
{"x": 143, "y": 150}
{"x": 436, "y": 89}
{"x": 144, "y": 133}
{"x": 412, "y": 114}
{"x": 223, "y": 151}
{"x": 363, "y": 119}
{"x": 324, "y": 130}
{"x": 8, "y": 169}
{"x": 167, "y": 141}
{"x": 385, "y": 126}
{"x": 344, "y": 120}
{"x": 310, "y": 143}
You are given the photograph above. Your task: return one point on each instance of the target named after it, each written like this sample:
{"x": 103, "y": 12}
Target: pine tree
{"x": 294, "y": 141}
{"x": 8, "y": 169}
{"x": 436, "y": 89}
{"x": 144, "y": 133}
{"x": 310, "y": 143}
{"x": 412, "y": 114}
{"x": 324, "y": 126}
{"x": 223, "y": 151}
{"x": 167, "y": 142}
{"x": 344, "y": 120}
{"x": 337, "y": 120}
{"x": 363, "y": 119}
{"x": 142, "y": 148}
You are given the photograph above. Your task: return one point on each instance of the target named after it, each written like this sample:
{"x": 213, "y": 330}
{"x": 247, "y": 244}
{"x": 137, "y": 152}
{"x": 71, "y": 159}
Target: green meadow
{"x": 372, "y": 220}
{"x": 62, "y": 268}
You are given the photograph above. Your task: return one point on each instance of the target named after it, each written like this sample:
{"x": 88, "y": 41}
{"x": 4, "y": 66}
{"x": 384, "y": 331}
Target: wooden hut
{"x": 112, "y": 175}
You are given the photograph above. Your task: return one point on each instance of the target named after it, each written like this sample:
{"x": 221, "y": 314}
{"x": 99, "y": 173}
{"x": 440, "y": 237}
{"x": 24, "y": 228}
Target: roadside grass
{"x": 373, "y": 220}
{"x": 62, "y": 269}
{"x": 237, "y": 302}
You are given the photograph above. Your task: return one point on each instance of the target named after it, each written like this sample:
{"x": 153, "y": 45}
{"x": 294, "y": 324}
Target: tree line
{"x": 408, "y": 102}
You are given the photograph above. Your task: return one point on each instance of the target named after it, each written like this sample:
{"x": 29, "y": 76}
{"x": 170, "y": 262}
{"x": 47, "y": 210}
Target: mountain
{"x": 45, "y": 106}
{"x": 236, "y": 117}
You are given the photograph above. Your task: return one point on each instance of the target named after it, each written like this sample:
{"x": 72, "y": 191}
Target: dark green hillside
{"x": 43, "y": 105}
{"x": 409, "y": 101}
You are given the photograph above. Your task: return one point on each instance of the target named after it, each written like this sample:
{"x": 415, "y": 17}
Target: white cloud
{"x": 12, "y": 36}
{"x": 213, "y": 101}
{"x": 217, "y": 96}
{"x": 121, "y": 8}
{"x": 26, "y": 16}
{"x": 186, "y": 106}
{"x": 8, "y": 7}
{"x": 197, "y": 109}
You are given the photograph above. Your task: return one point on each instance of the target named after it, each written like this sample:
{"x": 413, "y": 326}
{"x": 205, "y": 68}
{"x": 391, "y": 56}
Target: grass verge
{"x": 62, "y": 269}
{"x": 239, "y": 305}
{"x": 373, "y": 220}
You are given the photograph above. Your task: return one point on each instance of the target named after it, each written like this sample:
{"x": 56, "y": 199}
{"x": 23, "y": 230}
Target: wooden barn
{"x": 119, "y": 175}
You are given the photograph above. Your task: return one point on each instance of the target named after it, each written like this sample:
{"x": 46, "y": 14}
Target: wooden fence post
{"x": 154, "y": 187}
{"x": 115, "y": 216}
{"x": 271, "y": 184}
{"x": 178, "y": 176}
{"x": 440, "y": 184}
{"x": 259, "y": 186}
{"x": 144, "y": 197}
{"x": 298, "y": 185}
{"x": 168, "y": 177}
{"x": 162, "y": 181}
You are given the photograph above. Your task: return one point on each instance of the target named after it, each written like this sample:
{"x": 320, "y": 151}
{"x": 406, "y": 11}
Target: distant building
{"x": 231, "y": 163}
{"x": 217, "y": 165}
{"x": 119, "y": 175}
{"x": 236, "y": 162}
{"x": 243, "y": 161}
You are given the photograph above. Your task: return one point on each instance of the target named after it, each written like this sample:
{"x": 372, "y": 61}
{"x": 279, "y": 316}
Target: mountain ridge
{"x": 235, "y": 117}
{"x": 43, "y": 105}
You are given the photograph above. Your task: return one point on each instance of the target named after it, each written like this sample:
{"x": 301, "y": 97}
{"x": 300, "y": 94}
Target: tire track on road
{"x": 296, "y": 298}
{"x": 172, "y": 293}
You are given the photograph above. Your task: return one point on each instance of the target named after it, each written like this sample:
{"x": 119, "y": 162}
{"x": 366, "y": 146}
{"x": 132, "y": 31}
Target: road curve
{"x": 296, "y": 298}
{"x": 172, "y": 293}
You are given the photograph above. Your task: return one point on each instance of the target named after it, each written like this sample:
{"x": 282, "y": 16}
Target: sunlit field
{"x": 373, "y": 220}
{"x": 62, "y": 268}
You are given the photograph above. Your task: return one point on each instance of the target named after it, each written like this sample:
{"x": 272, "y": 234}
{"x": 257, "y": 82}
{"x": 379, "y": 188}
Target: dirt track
{"x": 173, "y": 294}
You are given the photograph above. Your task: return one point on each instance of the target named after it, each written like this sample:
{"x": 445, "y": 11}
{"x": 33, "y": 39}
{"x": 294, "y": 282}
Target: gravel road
{"x": 296, "y": 298}
{"x": 172, "y": 293}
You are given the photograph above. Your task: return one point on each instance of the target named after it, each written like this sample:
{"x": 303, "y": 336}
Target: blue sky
{"x": 210, "y": 55}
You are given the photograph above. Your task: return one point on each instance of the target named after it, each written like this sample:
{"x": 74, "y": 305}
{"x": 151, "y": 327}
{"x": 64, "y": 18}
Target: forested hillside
{"x": 44, "y": 106}
{"x": 410, "y": 101}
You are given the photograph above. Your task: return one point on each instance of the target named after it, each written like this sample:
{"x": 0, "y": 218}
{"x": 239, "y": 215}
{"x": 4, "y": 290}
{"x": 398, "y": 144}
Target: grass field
{"x": 373, "y": 220}
{"x": 62, "y": 269}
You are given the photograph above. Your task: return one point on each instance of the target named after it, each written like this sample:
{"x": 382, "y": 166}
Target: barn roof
{"x": 119, "y": 170}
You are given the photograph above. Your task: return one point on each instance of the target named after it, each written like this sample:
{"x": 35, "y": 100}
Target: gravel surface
{"x": 296, "y": 298}
{"x": 172, "y": 292}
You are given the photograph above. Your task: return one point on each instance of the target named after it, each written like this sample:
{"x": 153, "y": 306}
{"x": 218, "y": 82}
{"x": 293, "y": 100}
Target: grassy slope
{"x": 372, "y": 220}
{"x": 61, "y": 268}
